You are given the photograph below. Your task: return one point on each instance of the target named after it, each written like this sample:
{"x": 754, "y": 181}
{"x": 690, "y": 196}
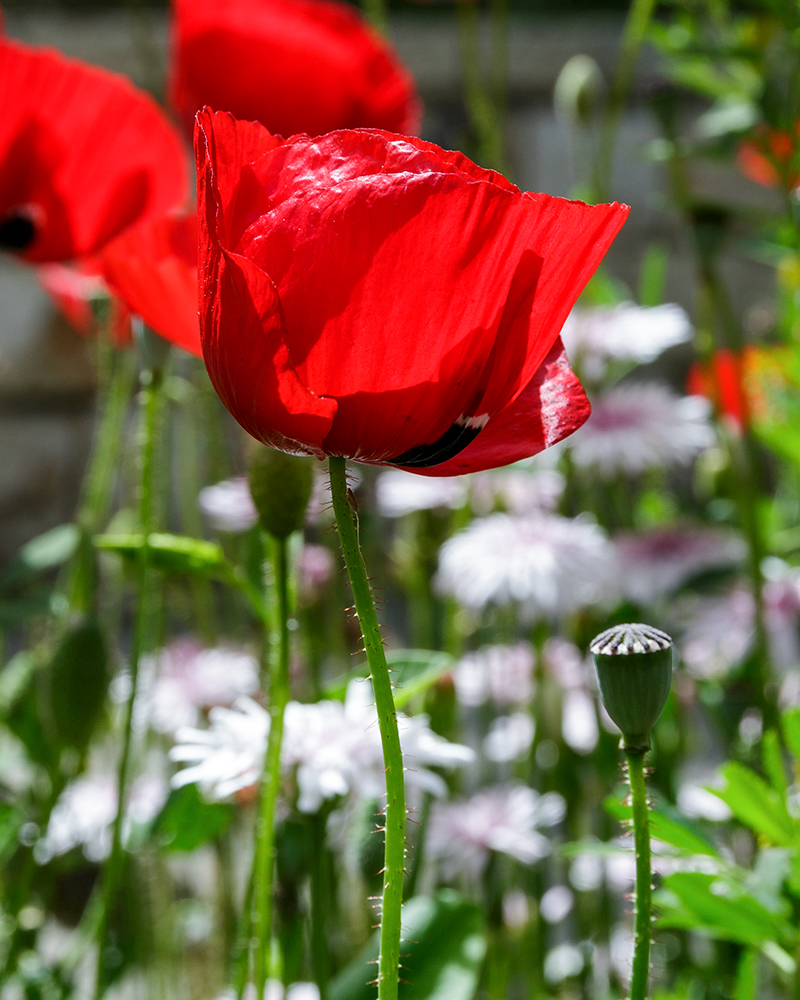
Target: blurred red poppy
{"x": 294, "y": 65}
{"x": 771, "y": 157}
{"x": 374, "y": 296}
{"x": 73, "y": 287}
{"x": 152, "y": 267}
{"x": 721, "y": 380}
{"x": 83, "y": 154}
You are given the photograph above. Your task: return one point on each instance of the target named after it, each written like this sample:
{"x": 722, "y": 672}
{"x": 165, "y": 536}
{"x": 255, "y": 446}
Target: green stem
{"x": 641, "y": 838}
{"x": 115, "y": 393}
{"x": 150, "y": 405}
{"x": 633, "y": 34}
{"x": 346, "y": 522}
{"x": 271, "y": 778}
{"x": 320, "y": 902}
{"x": 478, "y": 98}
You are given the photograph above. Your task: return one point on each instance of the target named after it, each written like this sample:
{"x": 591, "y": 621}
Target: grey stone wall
{"x": 46, "y": 378}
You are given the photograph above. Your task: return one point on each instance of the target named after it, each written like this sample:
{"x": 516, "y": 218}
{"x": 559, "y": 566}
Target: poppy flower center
{"x": 17, "y": 230}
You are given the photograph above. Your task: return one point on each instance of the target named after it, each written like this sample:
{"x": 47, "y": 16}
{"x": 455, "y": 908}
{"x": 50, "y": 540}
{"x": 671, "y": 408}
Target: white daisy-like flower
{"x": 229, "y": 506}
{"x": 188, "y": 678}
{"x": 655, "y": 563}
{"x": 625, "y": 331}
{"x": 334, "y": 748}
{"x": 399, "y": 493}
{"x": 502, "y": 674}
{"x": 504, "y": 818}
{"x": 642, "y": 425}
{"x": 547, "y": 565}
{"x": 516, "y": 490}
{"x": 85, "y": 811}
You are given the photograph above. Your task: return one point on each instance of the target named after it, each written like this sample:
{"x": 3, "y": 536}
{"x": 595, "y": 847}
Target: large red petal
{"x": 551, "y": 407}
{"x": 82, "y": 151}
{"x": 294, "y": 65}
{"x": 153, "y": 268}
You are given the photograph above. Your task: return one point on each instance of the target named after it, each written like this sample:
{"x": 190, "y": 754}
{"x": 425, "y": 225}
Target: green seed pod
{"x": 281, "y": 486}
{"x": 634, "y": 670}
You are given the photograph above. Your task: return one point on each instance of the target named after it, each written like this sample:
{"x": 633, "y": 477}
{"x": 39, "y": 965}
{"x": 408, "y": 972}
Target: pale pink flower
{"x": 399, "y": 493}
{"x": 502, "y": 674}
{"x": 228, "y": 505}
{"x": 655, "y": 563}
{"x": 639, "y": 426}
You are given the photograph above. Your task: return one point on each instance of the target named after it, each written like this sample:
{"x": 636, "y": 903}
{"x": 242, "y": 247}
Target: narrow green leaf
{"x": 176, "y": 554}
{"x": 444, "y": 944}
{"x": 186, "y": 821}
{"x": 773, "y": 762}
{"x": 755, "y": 804}
{"x": 791, "y": 731}
{"x": 77, "y": 682}
{"x": 746, "y": 976}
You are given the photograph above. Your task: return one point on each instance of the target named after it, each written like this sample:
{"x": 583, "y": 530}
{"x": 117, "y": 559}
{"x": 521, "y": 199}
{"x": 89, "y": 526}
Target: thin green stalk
{"x": 241, "y": 958}
{"x": 116, "y": 376}
{"x": 477, "y": 96}
{"x": 347, "y": 523}
{"x": 633, "y": 35}
{"x": 320, "y": 903}
{"x": 641, "y": 839}
{"x": 150, "y": 405}
{"x": 271, "y": 778}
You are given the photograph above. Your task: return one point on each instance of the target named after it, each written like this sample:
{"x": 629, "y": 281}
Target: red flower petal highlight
{"x": 153, "y": 268}
{"x": 83, "y": 154}
{"x": 415, "y": 291}
{"x": 294, "y": 65}
{"x": 73, "y": 286}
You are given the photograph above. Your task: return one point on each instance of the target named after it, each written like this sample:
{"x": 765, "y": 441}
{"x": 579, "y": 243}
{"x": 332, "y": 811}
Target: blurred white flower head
{"x": 400, "y": 492}
{"x": 556, "y": 903}
{"x": 188, "y": 678}
{"x": 517, "y": 490}
{"x": 550, "y": 566}
{"x": 503, "y": 818}
{"x": 333, "y": 747}
{"x": 502, "y": 674}
{"x": 639, "y": 426}
{"x": 228, "y": 505}
{"x": 563, "y": 962}
{"x": 655, "y": 563}
{"x": 579, "y": 721}
{"x": 566, "y": 663}
{"x": 625, "y": 331}
{"x": 85, "y": 811}
{"x": 510, "y": 737}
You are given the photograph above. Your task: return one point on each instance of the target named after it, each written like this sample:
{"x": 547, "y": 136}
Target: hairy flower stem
{"x": 271, "y": 778}
{"x": 150, "y": 401}
{"x": 641, "y": 839}
{"x": 347, "y": 523}
{"x": 481, "y": 101}
{"x": 633, "y": 34}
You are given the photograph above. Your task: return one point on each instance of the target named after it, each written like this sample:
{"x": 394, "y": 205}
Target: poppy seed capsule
{"x": 634, "y": 671}
{"x": 280, "y": 485}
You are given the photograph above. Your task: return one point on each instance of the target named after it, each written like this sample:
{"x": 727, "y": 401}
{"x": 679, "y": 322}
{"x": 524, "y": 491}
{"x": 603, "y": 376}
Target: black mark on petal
{"x": 17, "y": 230}
{"x": 454, "y": 440}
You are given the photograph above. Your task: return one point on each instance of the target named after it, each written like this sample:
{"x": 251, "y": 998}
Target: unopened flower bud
{"x": 634, "y": 670}
{"x": 281, "y": 486}
{"x": 580, "y": 91}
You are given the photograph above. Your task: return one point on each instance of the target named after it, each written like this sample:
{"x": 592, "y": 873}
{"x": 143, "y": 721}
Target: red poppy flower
{"x": 721, "y": 381}
{"x": 83, "y": 154}
{"x": 294, "y": 65}
{"x": 73, "y": 286}
{"x": 374, "y": 296}
{"x": 153, "y": 268}
{"x": 771, "y": 157}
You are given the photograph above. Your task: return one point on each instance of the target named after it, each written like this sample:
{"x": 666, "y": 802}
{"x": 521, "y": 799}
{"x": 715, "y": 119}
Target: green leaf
{"x": 746, "y": 976}
{"x": 718, "y": 907}
{"x": 773, "y": 762}
{"x": 176, "y": 554}
{"x": 444, "y": 944}
{"x": 11, "y": 820}
{"x": 77, "y": 683}
{"x": 755, "y": 804}
{"x": 15, "y": 678}
{"x": 791, "y": 730}
{"x": 51, "y": 549}
{"x": 187, "y": 820}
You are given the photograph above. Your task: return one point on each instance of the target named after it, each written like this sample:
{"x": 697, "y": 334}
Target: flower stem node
{"x": 634, "y": 671}
{"x": 281, "y": 486}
